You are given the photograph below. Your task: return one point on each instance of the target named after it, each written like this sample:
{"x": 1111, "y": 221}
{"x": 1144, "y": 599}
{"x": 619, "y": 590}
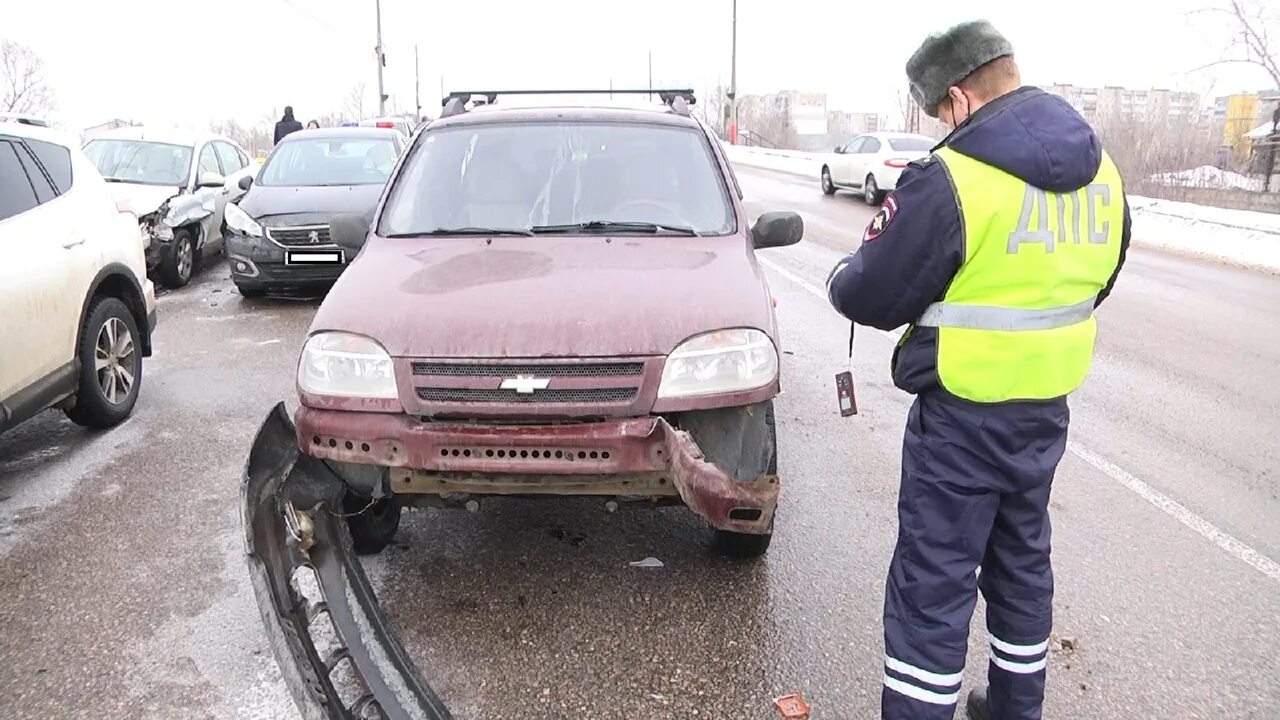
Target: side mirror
{"x": 210, "y": 180}
{"x": 348, "y": 231}
{"x": 777, "y": 229}
{"x": 246, "y": 182}
{"x": 839, "y": 150}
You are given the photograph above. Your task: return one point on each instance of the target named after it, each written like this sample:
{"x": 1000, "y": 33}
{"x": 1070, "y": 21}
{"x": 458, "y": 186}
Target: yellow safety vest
{"x": 1017, "y": 323}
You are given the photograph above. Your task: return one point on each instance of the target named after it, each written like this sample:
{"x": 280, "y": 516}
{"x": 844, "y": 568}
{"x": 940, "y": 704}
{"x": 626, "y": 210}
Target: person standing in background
{"x": 286, "y": 125}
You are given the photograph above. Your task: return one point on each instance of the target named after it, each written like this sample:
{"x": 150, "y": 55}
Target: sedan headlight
{"x": 240, "y": 221}
{"x": 339, "y": 364}
{"x": 720, "y": 362}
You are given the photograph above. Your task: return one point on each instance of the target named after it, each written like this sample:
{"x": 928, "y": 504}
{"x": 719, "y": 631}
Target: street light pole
{"x": 417, "y": 86}
{"x": 733, "y": 80}
{"x": 382, "y": 95}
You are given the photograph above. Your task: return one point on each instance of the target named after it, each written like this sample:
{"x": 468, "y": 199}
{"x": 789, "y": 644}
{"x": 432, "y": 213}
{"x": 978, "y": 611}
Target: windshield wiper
{"x": 463, "y": 231}
{"x": 124, "y": 180}
{"x": 613, "y": 226}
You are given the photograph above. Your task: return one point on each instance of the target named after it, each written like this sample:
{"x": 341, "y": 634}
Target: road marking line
{"x": 1179, "y": 512}
{"x": 1166, "y": 504}
{"x": 892, "y": 335}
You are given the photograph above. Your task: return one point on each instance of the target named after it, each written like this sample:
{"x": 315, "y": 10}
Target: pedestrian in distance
{"x": 995, "y": 251}
{"x": 286, "y": 125}
{"x": 313, "y": 124}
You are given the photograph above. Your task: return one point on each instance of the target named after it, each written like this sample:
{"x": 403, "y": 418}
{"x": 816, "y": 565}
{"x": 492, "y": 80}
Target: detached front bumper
{"x": 636, "y": 457}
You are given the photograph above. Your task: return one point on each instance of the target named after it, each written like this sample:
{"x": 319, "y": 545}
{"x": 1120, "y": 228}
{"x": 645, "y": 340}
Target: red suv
{"x": 552, "y": 300}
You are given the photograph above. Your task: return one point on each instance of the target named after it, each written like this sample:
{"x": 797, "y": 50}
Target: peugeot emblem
{"x": 313, "y": 237}
{"x": 524, "y": 384}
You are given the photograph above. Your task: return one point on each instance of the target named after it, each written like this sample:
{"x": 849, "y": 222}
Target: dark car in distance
{"x": 277, "y": 235}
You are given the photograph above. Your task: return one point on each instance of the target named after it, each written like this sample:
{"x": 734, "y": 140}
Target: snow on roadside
{"x": 1235, "y": 237}
{"x": 1208, "y": 176}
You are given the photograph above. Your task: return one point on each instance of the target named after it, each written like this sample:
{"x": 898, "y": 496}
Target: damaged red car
{"x": 553, "y": 301}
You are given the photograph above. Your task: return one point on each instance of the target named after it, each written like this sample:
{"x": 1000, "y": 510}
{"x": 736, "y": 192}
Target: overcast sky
{"x": 177, "y": 61}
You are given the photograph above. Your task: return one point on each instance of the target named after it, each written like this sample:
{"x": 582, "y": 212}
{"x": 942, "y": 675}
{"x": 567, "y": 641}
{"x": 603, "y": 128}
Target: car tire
{"x": 871, "y": 192}
{"x": 251, "y": 292}
{"x": 373, "y": 524}
{"x": 828, "y": 187}
{"x": 109, "y": 352}
{"x": 176, "y": 270}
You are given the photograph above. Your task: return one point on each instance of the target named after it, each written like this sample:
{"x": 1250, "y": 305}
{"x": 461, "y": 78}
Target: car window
{"x": 208, "y": 161}
{"x": 911, "y": 144}
{"x": 853, "y": 145}
{"x": 310, "y": 162}
{"x": 140, "y": 161}
{"x": 16, "y": 196}
{"x": 244, "y": 159}
{"x": 521, "y": 176}
{"x": 870, "y": 145}
{"x": 40, "y": 183}
{"x": 227, "y": 156}
{"x": 56, "y": 160}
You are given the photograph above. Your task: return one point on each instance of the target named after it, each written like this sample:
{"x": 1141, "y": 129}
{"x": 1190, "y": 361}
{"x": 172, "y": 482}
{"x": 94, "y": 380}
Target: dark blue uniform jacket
{"x": 908, "y": 265}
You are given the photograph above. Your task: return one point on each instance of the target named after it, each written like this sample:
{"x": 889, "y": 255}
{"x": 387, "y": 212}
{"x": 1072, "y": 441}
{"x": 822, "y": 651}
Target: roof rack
{"x": 455, "y": 103}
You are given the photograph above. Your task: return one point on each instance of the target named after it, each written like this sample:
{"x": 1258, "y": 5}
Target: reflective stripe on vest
{"x": 985, "y": 317}
{"x": 1016, "y": 321}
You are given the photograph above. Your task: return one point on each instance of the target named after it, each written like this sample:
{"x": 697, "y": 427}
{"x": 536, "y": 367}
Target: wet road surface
{"x": 125, "y": 592}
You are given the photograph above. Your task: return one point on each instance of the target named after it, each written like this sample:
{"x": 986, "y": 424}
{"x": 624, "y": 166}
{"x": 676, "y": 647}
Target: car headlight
{"x": 160, "y": 231}
{"x": 339, "y": 364}
{"x": 240, "y": 221}
{"x": 720, "y": 362}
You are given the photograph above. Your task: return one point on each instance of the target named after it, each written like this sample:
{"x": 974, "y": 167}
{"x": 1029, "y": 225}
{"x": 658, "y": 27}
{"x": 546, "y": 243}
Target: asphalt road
{"x": 125, "y": 592}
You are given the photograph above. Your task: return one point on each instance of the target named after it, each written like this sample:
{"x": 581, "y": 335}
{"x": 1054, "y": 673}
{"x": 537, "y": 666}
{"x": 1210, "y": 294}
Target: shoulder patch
{"x": 877, "y": 226}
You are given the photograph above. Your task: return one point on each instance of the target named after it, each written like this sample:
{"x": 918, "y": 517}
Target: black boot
{"x": 977, "y": 707}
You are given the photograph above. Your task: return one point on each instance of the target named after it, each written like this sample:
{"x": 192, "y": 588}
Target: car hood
{"x": 142, "y": 199}
{"x": 291, "y": 205}
{"x": 520, "y": 297}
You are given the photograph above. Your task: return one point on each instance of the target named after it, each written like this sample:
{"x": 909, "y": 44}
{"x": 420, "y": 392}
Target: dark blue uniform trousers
{"x": 975, "y": 493}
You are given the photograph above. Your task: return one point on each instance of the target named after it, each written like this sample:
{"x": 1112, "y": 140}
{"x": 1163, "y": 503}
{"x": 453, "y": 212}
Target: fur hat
{"x": 946, "y": 58}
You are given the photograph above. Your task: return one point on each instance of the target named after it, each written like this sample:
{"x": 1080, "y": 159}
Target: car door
{"x": 235, "y": 165}
{"x": 44, "y": 257}
{"x": 842, "y": 172}
{"x": 207, "y": 161}
{"x": 861, "y": 166}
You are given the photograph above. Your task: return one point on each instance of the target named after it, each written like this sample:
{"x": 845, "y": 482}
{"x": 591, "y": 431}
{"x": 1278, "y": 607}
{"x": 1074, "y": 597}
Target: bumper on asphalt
{"x": 631, "y": 458}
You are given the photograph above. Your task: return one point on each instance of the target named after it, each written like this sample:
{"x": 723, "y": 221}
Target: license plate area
{"x": 314, "y": 257}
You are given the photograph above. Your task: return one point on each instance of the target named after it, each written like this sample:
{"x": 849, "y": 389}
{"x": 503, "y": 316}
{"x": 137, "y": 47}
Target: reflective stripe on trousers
{"x": 987, "y": 317}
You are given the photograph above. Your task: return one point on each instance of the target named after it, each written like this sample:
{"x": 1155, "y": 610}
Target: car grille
{"x": 567, "y": 389}
{"x": 613, "y": 369}
{"x": 594, "y": 396}
{"x": 301, "y": 235}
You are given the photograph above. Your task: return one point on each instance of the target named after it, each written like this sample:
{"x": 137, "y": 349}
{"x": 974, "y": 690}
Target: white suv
{"x": 76, "y": 307}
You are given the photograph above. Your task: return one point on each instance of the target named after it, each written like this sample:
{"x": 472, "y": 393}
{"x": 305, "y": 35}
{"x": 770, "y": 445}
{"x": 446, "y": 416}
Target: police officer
{"x": 994, "y": 251}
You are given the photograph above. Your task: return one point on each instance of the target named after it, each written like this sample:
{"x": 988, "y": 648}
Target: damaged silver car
{"x": 178, "y": 182}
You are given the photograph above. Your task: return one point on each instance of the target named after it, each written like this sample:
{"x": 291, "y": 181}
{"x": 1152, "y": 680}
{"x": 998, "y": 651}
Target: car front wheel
{"x": 828, "y": 187}
{"x": 740, "y": 545}
{"x": 110, "y": 359}
{"x": 175, "y": 271}
{"x": 872, "y": 192}
{"x": 373, "y": 523}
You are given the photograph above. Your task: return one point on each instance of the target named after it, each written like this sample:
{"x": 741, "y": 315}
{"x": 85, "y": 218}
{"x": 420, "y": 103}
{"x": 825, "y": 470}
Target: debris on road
{"x": 793, "y": 707}
{"x": 1064, "y": 643}
{"x": 649, "y": 562}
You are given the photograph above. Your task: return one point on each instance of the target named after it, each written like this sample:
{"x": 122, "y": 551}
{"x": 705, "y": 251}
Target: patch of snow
{"x": 1208, "y": 176}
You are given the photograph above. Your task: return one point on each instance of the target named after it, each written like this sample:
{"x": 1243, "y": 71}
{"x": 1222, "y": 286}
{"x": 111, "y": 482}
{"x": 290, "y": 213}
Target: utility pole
{"x": 650, "y": 73}
{"x": 733, "y": 80}
{"x": 417, "y": 86}
{"x": 382, "y": 59}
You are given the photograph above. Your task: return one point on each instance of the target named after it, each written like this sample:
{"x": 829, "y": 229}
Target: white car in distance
{"x": 178, "y": 182}
{"x": 78, "y": 307}
{"x": 870, "y": 164}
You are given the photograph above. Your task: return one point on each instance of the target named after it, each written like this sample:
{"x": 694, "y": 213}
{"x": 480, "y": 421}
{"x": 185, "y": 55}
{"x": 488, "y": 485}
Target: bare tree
{"x": 22, "y": 85}
{"x": 1251, "y": 25}
{"x": 353, "y": 105}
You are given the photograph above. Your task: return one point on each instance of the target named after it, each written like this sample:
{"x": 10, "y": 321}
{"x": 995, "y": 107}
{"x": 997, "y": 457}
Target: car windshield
{"x": 139, "y": 161}
{"x": 560, "y": 177}
{"x": 330, "y": 161}
{"x": 909, "y": 144}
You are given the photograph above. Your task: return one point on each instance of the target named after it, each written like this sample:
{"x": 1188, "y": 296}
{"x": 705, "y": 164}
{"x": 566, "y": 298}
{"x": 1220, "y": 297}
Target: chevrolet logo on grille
{"x": 524, "y": 384}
